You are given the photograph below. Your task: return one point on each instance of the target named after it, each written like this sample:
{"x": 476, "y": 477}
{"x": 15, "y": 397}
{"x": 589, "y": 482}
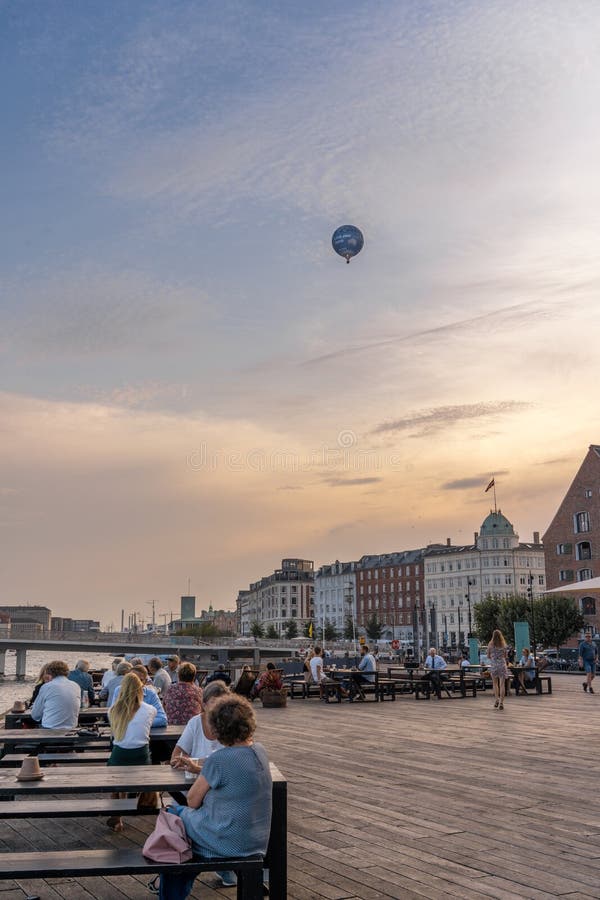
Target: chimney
{"x": 475, "y": 536}
{"x": 448, "y": 542}
{"x": 536, "y": 537}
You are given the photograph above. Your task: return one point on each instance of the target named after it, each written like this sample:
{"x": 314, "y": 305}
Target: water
{"x": 11, "y": 690}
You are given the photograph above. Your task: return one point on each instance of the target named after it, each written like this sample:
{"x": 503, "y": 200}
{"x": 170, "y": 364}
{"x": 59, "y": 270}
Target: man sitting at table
{"x": 367, "y": 668}
{"x": 435, "y": 664}
{"x": 81, "y": 676}
{"x": 58, "y": 701}
{"x": 527, "y": 673}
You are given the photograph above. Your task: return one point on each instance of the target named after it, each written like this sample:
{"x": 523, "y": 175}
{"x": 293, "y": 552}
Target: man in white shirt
{"x": 435, "y": 664}
{"x": 58, "y": 701}
{"x": 316, "y": 670}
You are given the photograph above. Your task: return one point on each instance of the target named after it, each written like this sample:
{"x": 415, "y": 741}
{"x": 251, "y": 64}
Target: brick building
{"x": 390, "y": 587}
{"x": 572, "y": 541}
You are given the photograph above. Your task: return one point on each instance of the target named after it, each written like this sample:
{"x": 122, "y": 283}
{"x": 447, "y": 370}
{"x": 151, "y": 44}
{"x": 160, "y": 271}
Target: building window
{"x": 565, "y": 575}
{"x": 588, "y": 606}
{"x": 508, "y": 579}
{"x": 581, "y": 522}
{"x": 587, "y": 493}
{"x": 584, "y": 574}
{"x": 564, "y": 549}
{"x": 583, "y": 550}
{"x": 541, "y": 580}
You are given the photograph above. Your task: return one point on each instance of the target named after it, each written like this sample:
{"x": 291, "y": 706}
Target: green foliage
{"x": 256, "y": 630}
{"x": 204, "y": 630}
{"x": 556, "y": 619}
{"x": 502, "y": 613}
{"x": 348, "y": 628}
{"x": 331, "y": 633}
{"x": 291, "y": 629}
{"x": 271, "y": 633}
{"x": 374, "y": 627}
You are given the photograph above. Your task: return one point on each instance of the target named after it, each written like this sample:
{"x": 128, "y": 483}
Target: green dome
{"x": 496, "y": 524}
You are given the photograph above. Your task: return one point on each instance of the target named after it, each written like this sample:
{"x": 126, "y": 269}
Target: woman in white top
{"x": 130, "y": 723}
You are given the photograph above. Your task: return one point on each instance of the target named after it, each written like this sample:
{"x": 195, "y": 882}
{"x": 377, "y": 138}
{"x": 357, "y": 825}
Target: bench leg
{"x": 249, "y": 885}
{"x": 276, "y": 858}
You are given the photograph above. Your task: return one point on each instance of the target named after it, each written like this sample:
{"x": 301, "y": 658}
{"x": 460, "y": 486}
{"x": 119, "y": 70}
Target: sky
{"x": 193, "y": 385}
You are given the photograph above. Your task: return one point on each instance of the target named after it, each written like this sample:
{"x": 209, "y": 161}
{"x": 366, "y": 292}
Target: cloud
{"x": 461, "y": 484}
{"x": 350, "y": 482}
{"x": 431, "y": 421}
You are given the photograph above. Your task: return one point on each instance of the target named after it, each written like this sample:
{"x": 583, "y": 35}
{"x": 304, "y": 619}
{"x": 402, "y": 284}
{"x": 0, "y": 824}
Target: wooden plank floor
{"x": 438, "y": 799}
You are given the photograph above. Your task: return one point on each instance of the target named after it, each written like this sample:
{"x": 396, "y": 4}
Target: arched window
{"x": 584, "y": 550}
{"x": 588, "y": 606}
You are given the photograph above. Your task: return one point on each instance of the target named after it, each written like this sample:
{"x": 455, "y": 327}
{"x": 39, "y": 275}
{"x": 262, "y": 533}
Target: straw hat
{"x": 30, "y": 769}
{"x": 19, "y": 706}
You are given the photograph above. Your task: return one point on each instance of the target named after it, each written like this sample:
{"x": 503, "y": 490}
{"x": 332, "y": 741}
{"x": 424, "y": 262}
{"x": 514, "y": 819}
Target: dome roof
{"x": 496, "y": 524}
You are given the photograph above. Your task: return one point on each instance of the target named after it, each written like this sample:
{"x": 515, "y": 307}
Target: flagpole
{"x": 495, "y": 504}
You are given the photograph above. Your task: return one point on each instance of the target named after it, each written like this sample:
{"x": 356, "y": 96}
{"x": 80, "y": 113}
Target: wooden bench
{"x": 10, "y": 760}
{"x": 61, "y": 809}
{"x": 540, "y": 680}
{"x": 129, "y": 861}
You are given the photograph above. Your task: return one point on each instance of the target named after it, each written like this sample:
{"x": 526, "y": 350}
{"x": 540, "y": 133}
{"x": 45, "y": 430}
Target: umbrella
{"x": 577, "y": 587}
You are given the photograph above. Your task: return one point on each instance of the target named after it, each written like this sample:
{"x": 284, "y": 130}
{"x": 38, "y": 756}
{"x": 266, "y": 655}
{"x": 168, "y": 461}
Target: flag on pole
{"x": 310, "y": 630}
{"x": 490, "y": 486}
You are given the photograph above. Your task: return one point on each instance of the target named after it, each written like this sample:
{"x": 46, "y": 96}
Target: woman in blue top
{"x": 229, "y": 804}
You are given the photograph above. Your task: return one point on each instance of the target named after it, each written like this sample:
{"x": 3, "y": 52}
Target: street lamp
{"x": 530, "y": 599}
{"x": 416, "y": 642}
{"x": 468, "y": 599}
{"x": 349, "y": 599}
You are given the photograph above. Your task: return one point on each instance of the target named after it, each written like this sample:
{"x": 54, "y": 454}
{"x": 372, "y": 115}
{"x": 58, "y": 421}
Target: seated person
{"x": 218, "y": 675}
{"x": 81, "y": 676}
{"x": 184, "y": 699}
{"x": 120, "y": 672}
{"x": 245, "y": 683}
{"x": 527, "y": 673}
{"x": 435, "y": 665}
{"x": 270, "y": 680}
{"x": 149, "y": 696}
{"x": 108, "y": 676}
{"x": 197, "y": 742}
{"x": 229, "y": 804}
{"x": 59, "y": 700}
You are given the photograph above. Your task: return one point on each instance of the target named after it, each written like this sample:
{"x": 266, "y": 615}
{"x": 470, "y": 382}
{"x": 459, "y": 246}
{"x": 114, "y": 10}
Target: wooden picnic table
{"x": 86, "y": 717}
{"x": 49, "y": 737}
{"x": 70, "y": 780}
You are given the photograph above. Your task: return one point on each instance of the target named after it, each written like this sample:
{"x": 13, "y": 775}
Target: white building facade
{"x": 335, "y": 596}
{"x": 277, "y": 598}
{"x": 459, "y": 577}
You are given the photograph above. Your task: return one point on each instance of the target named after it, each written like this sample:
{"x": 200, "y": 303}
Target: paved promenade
{"x": 409, "y": 799}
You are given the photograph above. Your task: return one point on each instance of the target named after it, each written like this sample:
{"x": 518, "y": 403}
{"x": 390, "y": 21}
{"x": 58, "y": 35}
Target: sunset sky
{"x": 192, "y": 384}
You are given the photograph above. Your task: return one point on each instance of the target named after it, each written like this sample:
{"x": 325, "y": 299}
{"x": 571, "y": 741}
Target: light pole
{"x": 530, "y": 599}
{"x": 416, "y": 648}
{"x": 459, "y": 627}
{"x": 349, "y": 598}
{"x": 445, "y": 632}
{"x": 468, "y": 599}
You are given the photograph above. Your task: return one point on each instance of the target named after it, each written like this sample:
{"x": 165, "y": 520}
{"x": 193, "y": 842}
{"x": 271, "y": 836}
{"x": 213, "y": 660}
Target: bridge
{"x": 203, "y": 654}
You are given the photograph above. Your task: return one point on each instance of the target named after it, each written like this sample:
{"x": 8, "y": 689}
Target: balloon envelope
{"x": 347, "y": 240}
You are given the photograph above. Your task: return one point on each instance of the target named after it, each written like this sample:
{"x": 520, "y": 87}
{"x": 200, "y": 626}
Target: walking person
{"x": 498, "y": 654}
{"x": 588, "y": 658}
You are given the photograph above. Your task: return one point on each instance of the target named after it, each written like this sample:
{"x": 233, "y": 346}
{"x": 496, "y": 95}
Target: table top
{"x": 59, "y": 736}
{"x": 104, "y": 779}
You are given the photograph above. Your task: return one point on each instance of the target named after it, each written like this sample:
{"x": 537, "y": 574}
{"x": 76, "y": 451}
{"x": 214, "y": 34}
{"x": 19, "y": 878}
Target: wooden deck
{"x": 432, "y": 800}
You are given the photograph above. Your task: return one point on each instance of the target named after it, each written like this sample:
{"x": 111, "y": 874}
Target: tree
{"x": 349, "y": 629}
{"x": 556, "y": 619}
{"x": 256, "y": 630}
{"x": 291, "y": 629}
{"x": 373, "y": 627}
{"x": 502, "y": 613}
{"x": 271, "y": 633}
{"x": 330, "y": 630}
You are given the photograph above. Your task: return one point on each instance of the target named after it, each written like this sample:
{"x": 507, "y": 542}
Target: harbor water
{"x": 11, "y": 689}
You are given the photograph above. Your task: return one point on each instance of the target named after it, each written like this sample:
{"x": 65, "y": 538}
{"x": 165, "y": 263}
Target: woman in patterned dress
{"x": 497, "y": 652}
{"x": 229, "y": 805}
{"x": 184, "y": 697}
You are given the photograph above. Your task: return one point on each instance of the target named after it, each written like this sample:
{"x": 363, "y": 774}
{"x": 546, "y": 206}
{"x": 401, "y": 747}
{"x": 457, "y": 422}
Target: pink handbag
{"x": 169, "y": 842}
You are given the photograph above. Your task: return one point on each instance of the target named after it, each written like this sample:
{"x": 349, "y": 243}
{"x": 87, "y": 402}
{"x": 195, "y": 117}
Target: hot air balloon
{"x": 347, "y": 240}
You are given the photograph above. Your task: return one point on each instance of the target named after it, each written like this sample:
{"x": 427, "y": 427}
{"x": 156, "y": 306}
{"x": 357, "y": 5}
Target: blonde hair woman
{"x": 497, "y": 652}
{"x": 130, "y": 723}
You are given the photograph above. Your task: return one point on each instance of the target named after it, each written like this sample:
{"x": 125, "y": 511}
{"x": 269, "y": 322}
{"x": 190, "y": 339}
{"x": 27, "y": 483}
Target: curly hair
{"x": 232, "y": 719}
{"x": 57, "y": 667}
